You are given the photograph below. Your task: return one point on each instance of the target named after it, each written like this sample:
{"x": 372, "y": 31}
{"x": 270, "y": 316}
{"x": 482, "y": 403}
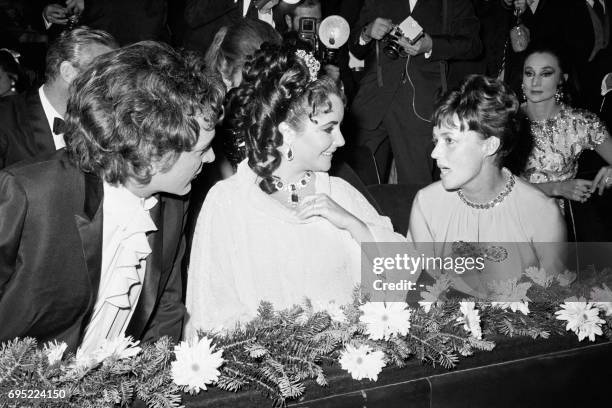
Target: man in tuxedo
{"x": 91, "y": 236}
{"x": 396, "y": 96}
{"x": 205, "y": 17}
{"x": 32, "y": 123}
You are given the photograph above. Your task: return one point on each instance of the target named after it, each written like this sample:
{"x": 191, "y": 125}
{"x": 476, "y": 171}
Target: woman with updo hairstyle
{"x": 478, "y": 200}
{"x": 559, "y": 134}
{"x": 280, "y": 229}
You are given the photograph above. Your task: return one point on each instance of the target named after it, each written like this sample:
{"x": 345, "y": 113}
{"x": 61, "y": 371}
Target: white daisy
{"x": 196, "y": 364}
{"x": 333, "y": 309}
{"x": 582, "y": 318}
{"x": 54, "y": 351}
{"x": 470, "y": 319}
{"x": 383, "y": 321}
{"x": 361, "y": 362}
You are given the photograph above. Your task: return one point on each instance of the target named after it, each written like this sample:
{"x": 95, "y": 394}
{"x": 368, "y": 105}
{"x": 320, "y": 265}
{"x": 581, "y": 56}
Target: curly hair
{"x": 276, "y": 88}
{"x": 483, "y": 105}
{"x": 137, "y": 106}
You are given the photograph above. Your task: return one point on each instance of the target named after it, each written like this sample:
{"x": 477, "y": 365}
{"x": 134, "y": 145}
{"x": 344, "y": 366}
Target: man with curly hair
{"x": 91, "y": 237}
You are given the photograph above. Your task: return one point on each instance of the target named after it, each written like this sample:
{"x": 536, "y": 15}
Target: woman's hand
{"x": 574, "y": 189}
{"x": 322, "y": 205}
{"x": 602, "y": 180}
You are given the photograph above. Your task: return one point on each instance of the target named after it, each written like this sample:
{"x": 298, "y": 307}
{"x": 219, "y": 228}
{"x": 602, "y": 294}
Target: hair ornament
{"x": 311, "y": 62}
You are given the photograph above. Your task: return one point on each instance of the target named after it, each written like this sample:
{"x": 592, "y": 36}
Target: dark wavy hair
{"x": 70, "y": 45}
{"x": 137, "y": 106}
{"x": 276, "y": 87}
{"x": 486, "y": 106}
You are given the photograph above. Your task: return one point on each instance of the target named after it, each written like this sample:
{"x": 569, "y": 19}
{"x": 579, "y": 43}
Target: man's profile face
{"x": 177, "y": 179}
{"x": 313, "y": 12}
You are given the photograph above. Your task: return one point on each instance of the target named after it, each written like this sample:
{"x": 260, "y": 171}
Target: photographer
{"x": 402, "y": 78}
{"x": 303, "y": 22}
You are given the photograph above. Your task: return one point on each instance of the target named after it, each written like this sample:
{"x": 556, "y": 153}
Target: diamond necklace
{"x": 293, "y": 188}
{"x": 500, "y": 197}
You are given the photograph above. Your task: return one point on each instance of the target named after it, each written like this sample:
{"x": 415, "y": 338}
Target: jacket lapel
{"x": 41, "y": 139}
{"x": 90, "y": 228}
{"x": 150, "y": 287}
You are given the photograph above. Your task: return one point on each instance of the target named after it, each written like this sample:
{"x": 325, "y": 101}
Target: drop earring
{"x": 13, "y": 84}
{"x": 289, "y": 154}
{"x": 559, "y": 95}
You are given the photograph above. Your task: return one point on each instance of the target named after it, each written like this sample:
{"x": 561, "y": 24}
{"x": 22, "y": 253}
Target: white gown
{"x": 248, "y": 247}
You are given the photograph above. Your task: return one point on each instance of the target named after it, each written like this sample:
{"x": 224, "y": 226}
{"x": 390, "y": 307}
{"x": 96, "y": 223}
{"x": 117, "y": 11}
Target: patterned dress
{"x": 558, "y": 143}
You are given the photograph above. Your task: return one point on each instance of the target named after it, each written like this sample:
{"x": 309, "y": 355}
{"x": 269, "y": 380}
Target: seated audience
{"x": 32, "y": 123}
{"x": 91, "y": 245}
{"x": 281, "y": 228}
{"x": 477, "y": 199}
{"x": 559, "y": 134}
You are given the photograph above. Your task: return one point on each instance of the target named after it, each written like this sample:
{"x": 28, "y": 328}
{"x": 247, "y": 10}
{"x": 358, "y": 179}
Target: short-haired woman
{"x": 477, "y": 199}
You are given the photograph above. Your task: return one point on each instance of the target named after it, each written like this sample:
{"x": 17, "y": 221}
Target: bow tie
{"x": 58, "y": 126}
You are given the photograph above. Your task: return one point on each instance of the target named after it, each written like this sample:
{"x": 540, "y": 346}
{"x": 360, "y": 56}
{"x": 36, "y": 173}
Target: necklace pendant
{"x": 294, "y": 198}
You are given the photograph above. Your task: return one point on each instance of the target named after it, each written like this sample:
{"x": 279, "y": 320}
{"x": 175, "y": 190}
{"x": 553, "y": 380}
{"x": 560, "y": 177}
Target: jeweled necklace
{"x": 500, "y": 197}
{"x": 293, "y": 188}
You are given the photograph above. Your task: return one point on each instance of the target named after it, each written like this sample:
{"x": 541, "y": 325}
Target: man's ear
{"x": 492, "y": 145}
{"x": 68, "y": 72}
{"x": 288, "y": 133}
{"x": 289, "y": 22}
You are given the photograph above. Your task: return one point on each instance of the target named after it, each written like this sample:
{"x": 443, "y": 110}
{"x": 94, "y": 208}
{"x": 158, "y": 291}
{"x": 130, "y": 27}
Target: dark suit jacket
{"x": 51, "y": 253}
{"x": 24, "y": 129}
{"x": 205, "y": 17}
{"x": 129, "y": 21}
{"x": 461, "y": 42}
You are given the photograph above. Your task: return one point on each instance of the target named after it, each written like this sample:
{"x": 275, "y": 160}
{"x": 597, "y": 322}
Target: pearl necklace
{"x": 293, "y": 188}
{"x": 500, "y": 197}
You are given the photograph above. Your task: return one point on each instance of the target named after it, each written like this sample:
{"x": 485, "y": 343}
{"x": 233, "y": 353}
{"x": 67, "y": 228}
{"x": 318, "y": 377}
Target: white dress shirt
{"x": 267, "y": 17}
{"x": 125, "y": 247}
{"x": 533, "y": 5}
{"x": 51, "y": 113}
{"x": 602, "y": 2}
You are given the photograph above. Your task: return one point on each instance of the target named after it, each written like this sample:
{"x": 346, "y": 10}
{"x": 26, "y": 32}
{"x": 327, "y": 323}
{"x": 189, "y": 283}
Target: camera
{"x": 392, "y": 48}
{"x": 308, "y": 32}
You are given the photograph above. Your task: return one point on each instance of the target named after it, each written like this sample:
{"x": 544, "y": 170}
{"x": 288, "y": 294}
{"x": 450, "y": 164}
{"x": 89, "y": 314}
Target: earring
{"x": 523, "y": 96}
{"x": 13, "y": 84}
{"x": 289, "y": 154}
{"x": 559, "y": 95}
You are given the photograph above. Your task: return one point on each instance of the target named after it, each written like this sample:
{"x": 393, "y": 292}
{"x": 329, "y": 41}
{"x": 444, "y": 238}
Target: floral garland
{"x": 279, "y": 351}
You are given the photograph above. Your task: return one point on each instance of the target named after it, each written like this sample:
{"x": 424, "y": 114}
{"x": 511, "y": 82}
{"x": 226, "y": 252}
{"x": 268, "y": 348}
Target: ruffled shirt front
{"x": 125, "y": 247}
